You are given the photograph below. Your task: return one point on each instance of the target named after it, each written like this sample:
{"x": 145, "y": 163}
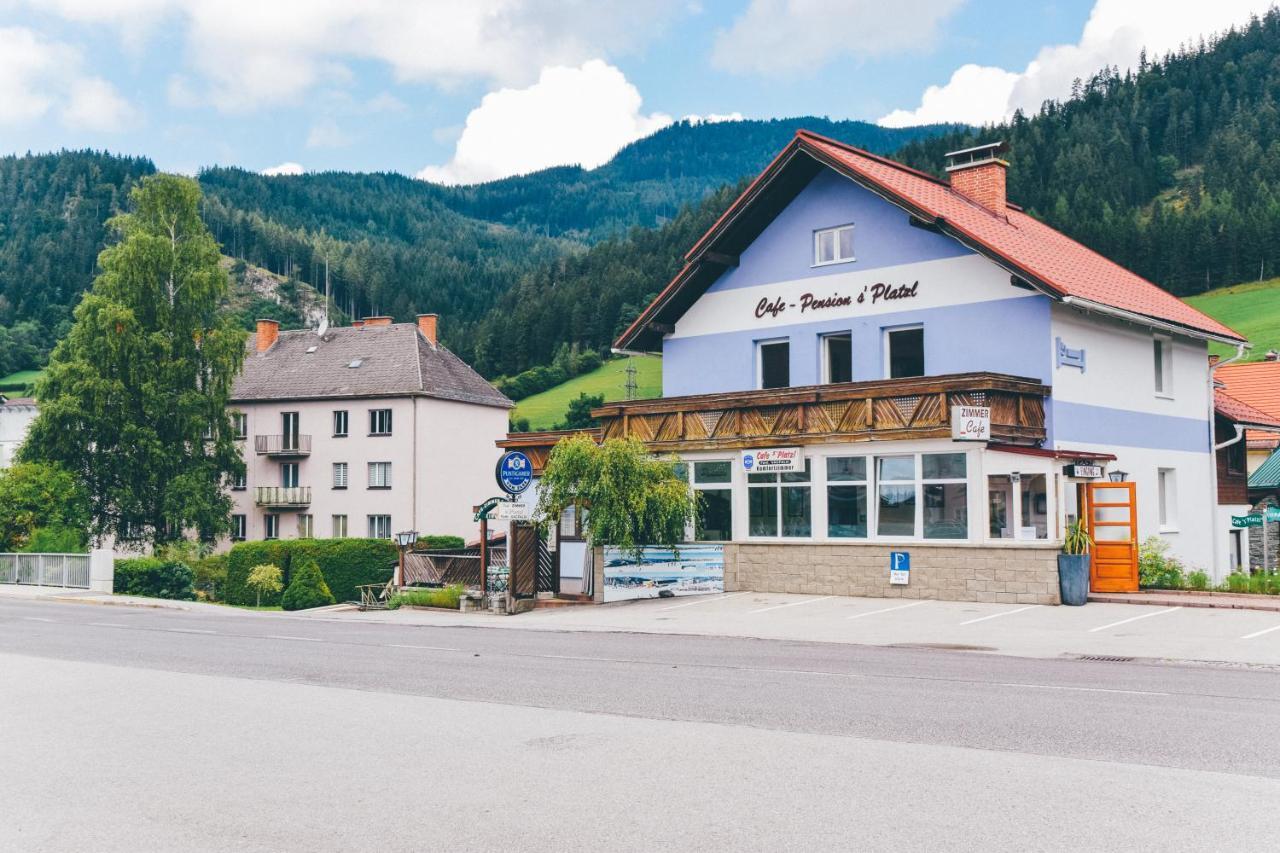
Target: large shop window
{"x": 942, "y": 480}
{"x": 847, "y": 497}
{"x": 773, "y": 361}
{"x": 779, "y": 504}
{"x": 837, "y": 358}
{"x": 833, "y": 245}
{"x": 712, "y": 481}
{"x": 1018, "y": 508}
{"x": 904, "y": 352}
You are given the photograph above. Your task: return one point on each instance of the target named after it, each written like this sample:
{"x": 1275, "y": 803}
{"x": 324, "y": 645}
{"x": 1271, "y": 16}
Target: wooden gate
{"x": 522, "y": 555}
{"x": 1112, "y": 516}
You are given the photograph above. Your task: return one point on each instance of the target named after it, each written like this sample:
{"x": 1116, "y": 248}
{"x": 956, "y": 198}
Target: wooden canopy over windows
{"x": 883, "y": 410}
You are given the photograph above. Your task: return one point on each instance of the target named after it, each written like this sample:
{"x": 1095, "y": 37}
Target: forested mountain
{"x": 1172, "y": 170}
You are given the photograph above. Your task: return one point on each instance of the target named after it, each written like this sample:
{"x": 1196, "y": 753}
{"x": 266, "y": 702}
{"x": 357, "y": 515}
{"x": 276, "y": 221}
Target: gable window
{"x": 904, "y": 352}
{"x": 837, "y": 358}
{"x": 773, "y": 363}
{"x": 379, "y": 422}
{"x": 379, "y": 475}
{"x": 713, "y": 483}
{"x": 833, "y": 245}
{"x": 340, "y": 423}
{"x": 1162, "y": 363}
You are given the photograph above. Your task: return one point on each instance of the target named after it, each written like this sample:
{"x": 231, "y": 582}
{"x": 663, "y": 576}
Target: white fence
{"x": 73, "y": 571}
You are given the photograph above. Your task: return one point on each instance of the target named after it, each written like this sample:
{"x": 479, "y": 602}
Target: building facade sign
{"x": 514, "y": 472}
{"x": 808, "y": 303}
{"x": 512, "y": 511}
{"x": 773, "y": 460}
{"x": 1083, "y": 471}
{"x": 899, "y": 568}
{"x": 971, "y": 423}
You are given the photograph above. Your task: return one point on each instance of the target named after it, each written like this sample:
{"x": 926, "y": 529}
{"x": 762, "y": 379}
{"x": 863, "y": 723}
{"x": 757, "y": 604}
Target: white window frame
{"x": 835, "y": 231}
{"x": 306, "y": 525}
{"x": 384, "y": 480}
{"x": 1167, "y": 499}
{"x": 374, "y": 522}
{"x": 1162, "y": 377}
{"x": 886, "y": 351}
{"x": 868, "y": 485}
{"x": 239, "y": 482}
{"x": 1015, "y": 521}
{"x": 345, "y": 416}
{"x": 336, "y": 527}
{"x": 697, "y": 486}
{"x": 760, "y": 345}
{"x": 825, "y": 354}
{"x": 777, "y": 485}
{"x": 375, "y": 419}
{"x": 271, "y": 526}
{"x": 240, "y": 425}
{"x": 340, "y": 475}
{"x": 284, "y": 478}
{"x": 239, "y": 527}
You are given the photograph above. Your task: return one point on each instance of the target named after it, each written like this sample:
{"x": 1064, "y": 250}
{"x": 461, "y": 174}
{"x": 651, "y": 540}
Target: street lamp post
{"x": 404, "y": 541}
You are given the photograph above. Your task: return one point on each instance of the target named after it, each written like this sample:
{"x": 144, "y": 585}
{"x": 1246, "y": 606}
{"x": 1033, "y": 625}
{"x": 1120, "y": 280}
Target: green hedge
{"x": 307, "y": 589}
{"x": 154, "y": 578}
{"x": 438, "y": 543}
{"x": 345, "y": 564}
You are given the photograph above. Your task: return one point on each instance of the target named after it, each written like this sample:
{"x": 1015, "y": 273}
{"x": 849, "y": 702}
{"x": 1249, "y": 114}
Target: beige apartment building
{"x": 366, "y": 430}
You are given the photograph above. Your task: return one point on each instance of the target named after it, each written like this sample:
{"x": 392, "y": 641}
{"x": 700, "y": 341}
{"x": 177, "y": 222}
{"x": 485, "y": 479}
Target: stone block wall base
{"x": 1003, "y": 575}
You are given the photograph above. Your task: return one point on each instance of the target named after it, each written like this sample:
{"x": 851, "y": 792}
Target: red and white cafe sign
{"x": 773, "y": 460}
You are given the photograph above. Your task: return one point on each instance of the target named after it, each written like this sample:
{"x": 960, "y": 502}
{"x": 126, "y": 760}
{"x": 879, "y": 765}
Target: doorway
{"x": 1112, "y": 517}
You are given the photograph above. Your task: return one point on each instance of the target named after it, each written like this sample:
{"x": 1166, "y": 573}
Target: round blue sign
{"x": 514, "y": 472}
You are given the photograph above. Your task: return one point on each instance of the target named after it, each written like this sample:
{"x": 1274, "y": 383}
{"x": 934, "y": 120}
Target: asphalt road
{"x": 138, "y": 729}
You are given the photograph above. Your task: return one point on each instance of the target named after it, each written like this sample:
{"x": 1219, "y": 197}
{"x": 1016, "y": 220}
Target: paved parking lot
{"x": 1120, "y": 630}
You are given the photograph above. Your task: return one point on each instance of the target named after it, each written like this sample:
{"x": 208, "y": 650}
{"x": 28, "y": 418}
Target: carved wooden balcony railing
{"x": 889, "y": 409}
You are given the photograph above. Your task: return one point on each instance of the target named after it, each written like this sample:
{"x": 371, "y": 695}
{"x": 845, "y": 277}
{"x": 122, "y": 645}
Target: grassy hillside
{"x": 19, "y": 383}
{"x": 1252, "y": 309}
{"x": 546, "y": 409}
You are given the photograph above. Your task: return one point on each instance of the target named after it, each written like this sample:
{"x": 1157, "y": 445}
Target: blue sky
{"x": 470, "y": 91}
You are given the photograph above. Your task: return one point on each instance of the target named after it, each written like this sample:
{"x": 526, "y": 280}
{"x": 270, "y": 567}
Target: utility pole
{"x": 631, "y": 379}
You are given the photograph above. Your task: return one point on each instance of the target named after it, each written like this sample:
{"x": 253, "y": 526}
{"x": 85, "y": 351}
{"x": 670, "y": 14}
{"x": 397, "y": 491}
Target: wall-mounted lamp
{"x": 1117, "y": 476}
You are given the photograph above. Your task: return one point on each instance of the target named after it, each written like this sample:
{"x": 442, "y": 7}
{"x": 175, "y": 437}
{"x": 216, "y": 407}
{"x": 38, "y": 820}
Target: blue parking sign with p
{"x": 899, "y": 567}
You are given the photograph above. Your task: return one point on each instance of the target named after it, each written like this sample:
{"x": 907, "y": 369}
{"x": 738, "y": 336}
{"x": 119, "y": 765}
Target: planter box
{"x": 1073, "y": 578}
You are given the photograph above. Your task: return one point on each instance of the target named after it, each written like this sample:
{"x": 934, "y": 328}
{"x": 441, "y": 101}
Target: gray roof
{"x": 395, "y": 360}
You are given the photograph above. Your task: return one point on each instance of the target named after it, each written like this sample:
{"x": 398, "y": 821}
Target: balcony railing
{"x": 282, "y": 496}
{"x": 282, "y": 445}
{"x": 892, "y": 409}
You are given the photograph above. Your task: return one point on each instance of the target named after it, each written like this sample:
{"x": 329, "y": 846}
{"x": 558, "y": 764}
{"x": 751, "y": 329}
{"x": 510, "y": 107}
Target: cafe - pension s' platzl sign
{"x": 773, "y": 460}
{"x": 871, "y": 294}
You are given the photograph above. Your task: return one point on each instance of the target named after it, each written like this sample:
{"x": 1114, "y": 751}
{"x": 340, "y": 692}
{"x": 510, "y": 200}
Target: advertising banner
{"x": 662, "y": 572}
{"x": 971, "y": 423}
{"x": 773, "y": 460}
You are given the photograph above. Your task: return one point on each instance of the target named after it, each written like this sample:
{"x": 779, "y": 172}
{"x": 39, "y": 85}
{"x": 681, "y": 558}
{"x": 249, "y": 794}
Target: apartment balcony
{"x": 282, "y": 445}
{"x": 282, "y": 497}
{"x": 886, "y": 409}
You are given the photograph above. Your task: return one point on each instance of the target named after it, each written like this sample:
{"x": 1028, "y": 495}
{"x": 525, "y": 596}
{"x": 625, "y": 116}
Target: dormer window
{"x": 833, "y": 245}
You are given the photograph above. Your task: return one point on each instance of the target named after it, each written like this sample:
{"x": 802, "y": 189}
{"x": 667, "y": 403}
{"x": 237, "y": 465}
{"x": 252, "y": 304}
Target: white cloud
{"x": 326, "y": 133}
{"x": 251, "y": 53}
{"x": 577, "y": 115}
{"x": 780, "y": 36}
{"x": 285, "y": 169}
{"x": 1115, "y": 34}
{"x": 38, "y": 75}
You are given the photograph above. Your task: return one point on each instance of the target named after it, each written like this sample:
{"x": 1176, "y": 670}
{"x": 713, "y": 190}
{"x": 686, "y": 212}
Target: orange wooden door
{"x": 1112, "y": 514}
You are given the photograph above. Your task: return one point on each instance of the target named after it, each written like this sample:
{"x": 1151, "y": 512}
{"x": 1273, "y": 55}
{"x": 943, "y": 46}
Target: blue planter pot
{"x": 1073, "y": 578}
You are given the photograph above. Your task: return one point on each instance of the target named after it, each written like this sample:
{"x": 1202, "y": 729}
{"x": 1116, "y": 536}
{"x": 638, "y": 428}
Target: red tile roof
{"x": 1047, "y": 258}
{"x": 1240, "y": 412}
{"x": 1257, "y": 384}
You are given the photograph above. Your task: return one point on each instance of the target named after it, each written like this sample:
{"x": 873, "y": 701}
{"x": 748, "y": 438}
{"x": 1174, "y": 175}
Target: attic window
{"x": 833, "y": 245}
{"x": 312, "y": 349}
{"x": 356, "y": 362}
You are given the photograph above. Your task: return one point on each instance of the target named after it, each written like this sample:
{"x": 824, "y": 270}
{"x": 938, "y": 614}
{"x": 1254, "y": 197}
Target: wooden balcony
{"x": 282, "y": 497}
{"x": 282, "y": 445}
{"x": 883, "y": 410}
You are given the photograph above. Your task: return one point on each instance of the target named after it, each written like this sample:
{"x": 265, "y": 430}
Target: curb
{"x": 1213, "y": 601}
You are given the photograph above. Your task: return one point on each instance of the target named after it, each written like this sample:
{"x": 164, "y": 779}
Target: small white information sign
{"x": 971, "y": 423}
{"x": 773, "y": 460}
{"x": 512, "y": 511}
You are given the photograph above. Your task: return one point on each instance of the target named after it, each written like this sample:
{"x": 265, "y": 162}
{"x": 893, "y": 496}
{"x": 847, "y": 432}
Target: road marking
{"x": 108, "y": 625}
{"x": 1001, "y": 613}
{"x": 706, "y": 600}
{"x": 431, "y": 648}
{"x": 188, "y": 631}
{"x": 792, "y": 604}
{"x": 1078, "y": 689}
{"x": 286, "y": 637}
{"x": 1260, "y": 633}
{"x": 887, "y": 609}
{"x": 36, "y": 619}
{"x": 1133, "y": 619}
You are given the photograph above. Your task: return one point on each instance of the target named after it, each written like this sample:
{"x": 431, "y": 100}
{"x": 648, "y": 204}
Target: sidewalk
{"x": 1188, "y": 598}
{"x": 84, "y": 596}
{"x": 1154, "y": 631}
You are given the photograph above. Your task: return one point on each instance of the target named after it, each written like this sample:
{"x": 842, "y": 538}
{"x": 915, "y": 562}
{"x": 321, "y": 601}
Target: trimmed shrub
{"x": 211, "y": 577}
{"x": 439, "y": 543}
{"x": 241, "y": 559}
{"x": 344, "y": 563}
{"x": 154, "y": 578}
{"x": 307, "y": 589}
{"x": 266, "y": 578}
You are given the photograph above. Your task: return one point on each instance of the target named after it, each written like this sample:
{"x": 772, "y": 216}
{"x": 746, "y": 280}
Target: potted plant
{"x": 1073, "y": 565}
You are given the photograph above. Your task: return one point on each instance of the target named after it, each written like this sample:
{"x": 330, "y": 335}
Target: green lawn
{"x": 544, "y": 410}
{"x": 1251, "y": 309}
{"x": 19, "y": 382}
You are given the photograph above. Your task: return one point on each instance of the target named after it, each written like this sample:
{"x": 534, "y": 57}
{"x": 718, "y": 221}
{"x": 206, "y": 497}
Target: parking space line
{"x": 1001, "y": 613}
{"x": 1133, "y": 619}
{"x": 1260, "y": 633}
{"x": 429, "y": 648}
{"x": 286, "y": 637}
{"x": 188, "y": 631}
{"x": 791, "y": 604}
{"x": 887, "y": 609}
{"x": 704, "y": 600}
{"x": 36, "y": 619}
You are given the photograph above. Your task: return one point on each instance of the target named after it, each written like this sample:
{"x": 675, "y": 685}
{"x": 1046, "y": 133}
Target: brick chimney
{"x": 429, "y": 325}
{"x": 377, "y": 321}
{"x": 979, "y": 174}
{"x": 268, "y": 331}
